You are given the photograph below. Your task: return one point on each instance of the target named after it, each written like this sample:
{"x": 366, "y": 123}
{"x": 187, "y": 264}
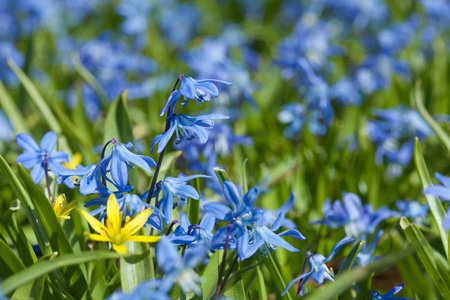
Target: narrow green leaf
{"x": 193, "y": 206}
{"x": 210, "y": 276}
{"x": 45, "y": 266}
{"x": 426, "y": 256}
{"x": 117, "y": 122}
{"x": 247, "y": 268}
{"x": 433, "y": 202}
{"x": 244, "y": 176}
{"x": 276, "y": 277}
{"x": 222, "y": 175}
{"x": 137, "y": 268}
{"x": 442, "y": 135}
{"x": 261, "y": 284}
{"x": 86, "y": 75}
{"x": 25, "y": 201}
{"x": 348, "y": 263}
{"x": 9, "y": 262}
{"x": 56, "y": 235}
{"x": 28, "y": 291}
{"x": 11, "y": 110}
{"x": 19, "y": 240}
{"x": 168, "y": 164}
{"x": 36, "y": 97}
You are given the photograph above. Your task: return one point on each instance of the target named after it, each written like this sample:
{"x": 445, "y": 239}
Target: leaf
{"x": 426, "y": 256}
{"x": 137, "y": 268}
{"x": 261, "y": 284}
{"x": 11, "y": 110}
{"x": 30, "y": 290}
{"x": 442, "y": 135}
{"x": 168, "y": 163}
{"x": 56, "y": 235}
{"x": 248, "y": 268}
{"x": 25, "y": 201}
{"x": 117, "y": 122}
{"x": 348, "y": 263}
{"x": 210, "y": 276}
{"x": 433, "y": 202}
{"x": 193, "y": 206}
{"x": 19, "y": 240}
{"x": 90, "y": 79}
{"x": 36, "y": 97}
{"x": 244, "y": 176}
{"x": 9, "y": 262}
{"x": 222, "y": 175}
{"x": 278, "y": 280}
{"x": 46, "y": 266}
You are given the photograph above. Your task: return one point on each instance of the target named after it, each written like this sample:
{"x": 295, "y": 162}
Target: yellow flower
{"x": 61, "y": 211}
{"x": 113, "y": 232}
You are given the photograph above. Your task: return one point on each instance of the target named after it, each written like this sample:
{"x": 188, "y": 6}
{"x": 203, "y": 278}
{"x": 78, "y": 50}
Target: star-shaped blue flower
{"x": 39, "y": 157}
{"x": 198, "y": 90}
{"x": 377, "y": 296}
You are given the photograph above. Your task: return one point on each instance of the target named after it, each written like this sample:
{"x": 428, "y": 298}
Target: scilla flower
{"x": 187, "y": 128}
{"x": 113, "y": 232}
{"x": 377, "y": 296}
{"x": 198, "y": 90}
{"x": 41, "y": 158}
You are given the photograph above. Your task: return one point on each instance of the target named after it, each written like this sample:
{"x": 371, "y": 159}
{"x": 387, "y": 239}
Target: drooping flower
{"x": 90, "y": 180}
{"x": 188, "y": 234}
{"x": 187, "y": 128}
{"x": 41, "y": 157}
{"x": 61, "y": 209}
{"x": 318, "y": 270}
{"x": 198, "y": 90}
{"x": 388, "y": 296}
{"x": 114, "y": 232}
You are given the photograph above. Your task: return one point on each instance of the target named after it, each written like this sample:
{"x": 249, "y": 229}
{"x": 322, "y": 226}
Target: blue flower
{"x": 7, "y": 132}
{"x": 377, "y": 296}
{"x": 439, "y": 190}
{"x": 119, "y": 159}
{"x": 188, "y": 234}
{"x": 175, "y": 186}
{"x": 90, "y": 181}
{"x": 413, "y": 209}
{"x": 353, "y": 216}
{"x": 365, "y": 256}
{"x": 318, "y": 270}
{"x": 153, "y": 289}
{"x": 38, "y": 158}
{"x": 189, "y": 127}
{"x": 270, "y": 216}
{"x": 180, "y": 268}
{"x": 198, "y": 90}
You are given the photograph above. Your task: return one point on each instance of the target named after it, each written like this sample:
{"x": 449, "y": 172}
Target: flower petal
{"x": 48, "y": 142}
{"x": 27, "y": 143}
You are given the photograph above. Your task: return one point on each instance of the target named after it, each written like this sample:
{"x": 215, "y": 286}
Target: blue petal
{"x": 394, "y": 290}
{"x": 173, "y": 98}
{"x": 293, "y": 233}
{"x": 338, "y": 246}
{"x": 232, "y": 194}
{"x": 48, "y": 142}
{"x": 187, "y": 87}
{"x": 166, "y": 136}
{"x": 219, "y": 210}
{"x": 272, "y": 238}
{"x": 30, "y": 159}
{"x": 119, "y": 171}
{"x": 250, "y": 198}
{"x": 37, "y": 173}
{"x": 438, "y": 191}
{"x": 133, "y": 158}
{"x": 207, "y": 222}
{"x": 27, "y": 143}
{"x": 443, "y": 179}
{"x": 276, "y": 225}
{"x": 295, "y": 280}
{"x": 59, "y": 156}
{"x": 167, "y": 256}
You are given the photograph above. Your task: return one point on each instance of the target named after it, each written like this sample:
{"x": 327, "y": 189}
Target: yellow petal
{"x": 134, "y": 225}
{"x": 95, "y": 224}
{"x": 143, "y": 238}
{"x": 113, "y": 213}
{"x": 97, "y": 237}
{"x": 68, "y": 208}
{"x": 120, "y": 248}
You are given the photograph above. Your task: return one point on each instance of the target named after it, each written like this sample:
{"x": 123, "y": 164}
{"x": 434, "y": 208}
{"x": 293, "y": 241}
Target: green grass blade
{"x": 426, "y": 256}
{"x": 210, "y": 276}
{"x": 9, "y": 262}
{"x": 433, "y": 202}
{"x": 117, "y": 122}
{"x": 193, "y": 206}
{"x": 11, "y": 110}
{"x": 277, "y": 278}
{"x": 261, "y": 284}
{"x": 348, "y": 263}
{"x": 46, "y": 266}
{"x": 442, "y": 135}
{"x": 222, "y": 175}
{"x": 19, "y": 240}
{"x": 36, "y": 97}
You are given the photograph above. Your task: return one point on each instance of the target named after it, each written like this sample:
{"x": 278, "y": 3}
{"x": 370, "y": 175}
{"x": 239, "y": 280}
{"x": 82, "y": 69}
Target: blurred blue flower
{"x": 365, "y": 255}
{"x": 395, "y": 37}
{"x": 153, "y": 289}
{"x": 175, "y": 186}
{"x": 7, "y": 132}
{"x": 198, "y": 90}
{"x": 439, "y": 190}
{"x": 38, "y": 157}
{"x": 190, "y": 127}
{"x": 270, "y": 216}
{"x": 8, "y": 51}
{"x": 119, "y": 159}
{"x": 189, "y": 234}
{"x": 356, "y": 219}
{"x": 318, "y": 270}
{"x": 180, "y": 268}
{"x": 388, "y": 296}
{"x": 437, "y": 12}
{"x": 346, "y": 91}
{"x": 413, "y": 209}
{"x": 394, "y": 133}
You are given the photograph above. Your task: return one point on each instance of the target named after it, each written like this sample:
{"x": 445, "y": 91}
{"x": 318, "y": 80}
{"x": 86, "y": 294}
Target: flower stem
{"x": 47, "y": 180}
{"x": 161, "y": 155}
{"x": 308, "y": 255}
{"x": 227, "y": 276}
{"x": 113, "y": 141}
{"x": 224, "y": 260}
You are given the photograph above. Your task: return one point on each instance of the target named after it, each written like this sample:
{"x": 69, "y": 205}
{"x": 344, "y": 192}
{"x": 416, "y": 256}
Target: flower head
{"x": 318, "y": 270}
{"x": 187, "y": 128}
{"x": 198, "y": 90}
{"x": 61, "y": 209}
{"x": 388, "y": 296}
{"x": 41, "y": 157}
{"x": 439, "y": 190}
{"x": 113, "y": 232}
